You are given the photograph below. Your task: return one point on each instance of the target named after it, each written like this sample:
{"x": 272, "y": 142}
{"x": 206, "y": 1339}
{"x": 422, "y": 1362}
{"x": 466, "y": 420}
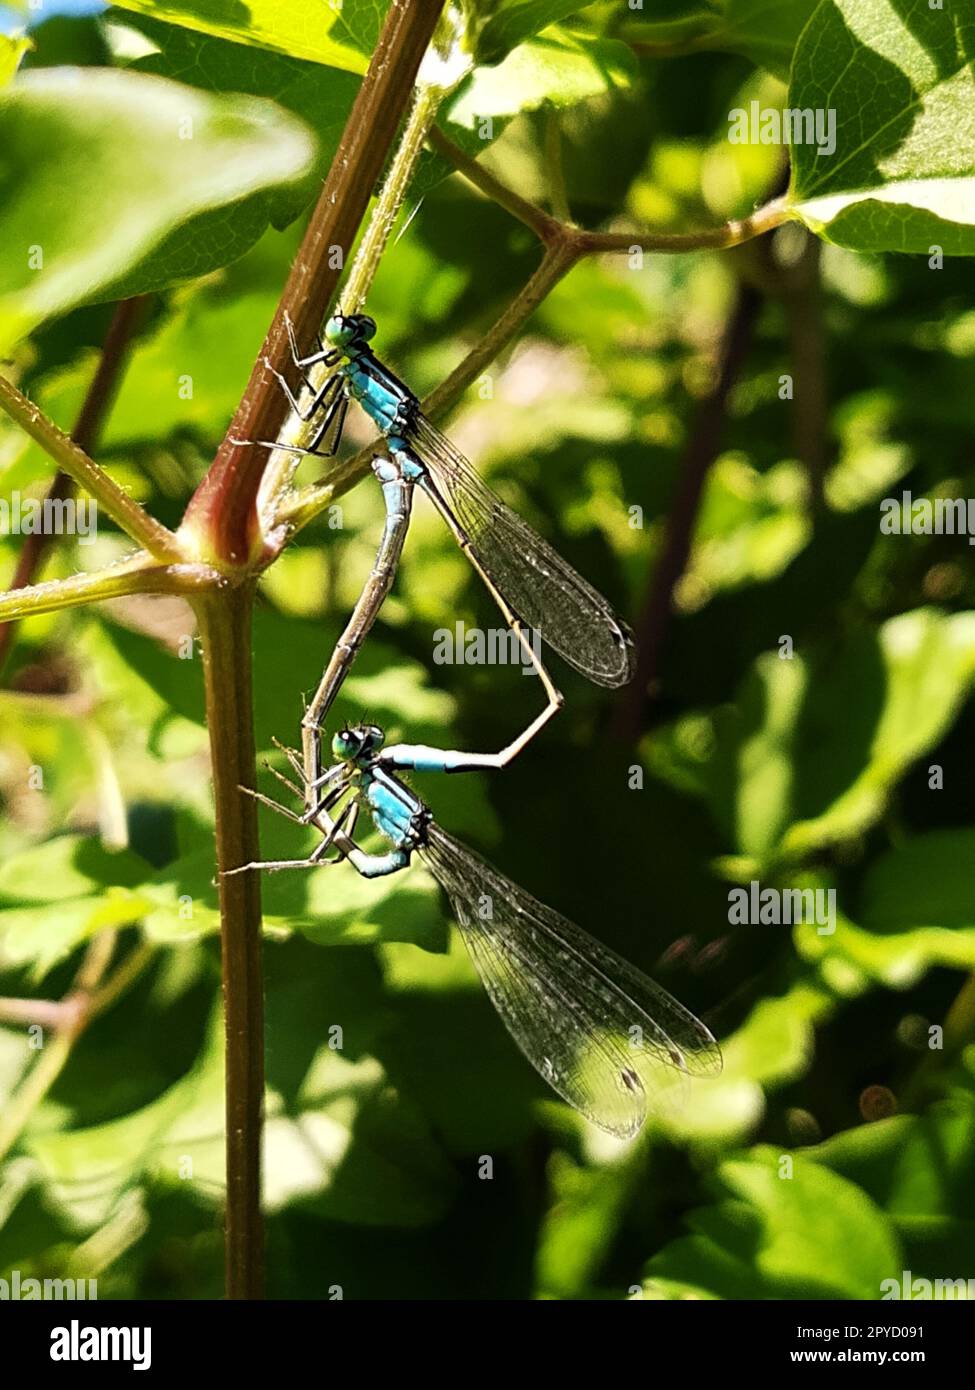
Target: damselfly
{"x": 533, "y": 586}
{"x": 601, "y": 1033}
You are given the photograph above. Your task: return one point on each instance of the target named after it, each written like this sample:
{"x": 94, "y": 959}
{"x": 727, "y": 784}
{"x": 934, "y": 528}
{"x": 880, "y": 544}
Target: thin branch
{"x": 84, "y": 1001}
{"x": 422, "y": 115}
{"x": 95, "y": 407}
{"x": 46, "y": 1012}
{"x": 223, "y": 521}
{"x": 222, "y": 516}
{"x": 134, "y": 521}
{"x": 734, "y": 232}
{"x": 137, "y": 574}
{"x": 550, "y": 229}
{"x": 702, "y": 447}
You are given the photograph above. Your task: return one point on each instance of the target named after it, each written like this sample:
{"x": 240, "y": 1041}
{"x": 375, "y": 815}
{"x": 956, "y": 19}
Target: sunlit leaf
{"x": 68, "y": 132}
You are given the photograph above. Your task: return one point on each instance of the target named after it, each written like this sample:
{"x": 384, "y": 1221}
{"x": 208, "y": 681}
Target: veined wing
{"x": 543, "y": 591}
{"x": 594, "y": 1027}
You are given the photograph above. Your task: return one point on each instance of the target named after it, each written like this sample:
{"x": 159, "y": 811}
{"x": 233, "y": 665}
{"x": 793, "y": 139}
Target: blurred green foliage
{"x": 834, "y": 759}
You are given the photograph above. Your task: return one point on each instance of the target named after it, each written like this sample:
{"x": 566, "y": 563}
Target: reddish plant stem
{"x": 94, "y": 410}
{"x": 225, "y": 632}
{"x": 702, "y": 447}
{"x": 223, "y": 511}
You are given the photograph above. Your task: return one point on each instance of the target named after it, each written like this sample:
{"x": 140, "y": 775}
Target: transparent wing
{"x": 594, "y": 1027}
{"x": 543, "y": 591}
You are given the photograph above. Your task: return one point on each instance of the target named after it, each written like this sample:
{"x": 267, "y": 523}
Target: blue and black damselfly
{"x": 536, "y": 590}
{"x": 600, "y": 1032}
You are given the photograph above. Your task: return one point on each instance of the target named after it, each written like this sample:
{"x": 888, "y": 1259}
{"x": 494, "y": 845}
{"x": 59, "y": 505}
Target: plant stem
{"x": 222, "y": 518}
{"x": 95, "y": 407}
{"x": 550, "y": 229}
{"x": 149, "y": 533}
{"x": 138, "y": 574}
{"x": 422, "y": 116}
{"x": 732, "y": 233}
{"x": 225, "y": 630}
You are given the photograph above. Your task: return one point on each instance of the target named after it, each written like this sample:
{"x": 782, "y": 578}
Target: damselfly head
{"x": 358, "y": 743}
{"x": 342, "y": 330}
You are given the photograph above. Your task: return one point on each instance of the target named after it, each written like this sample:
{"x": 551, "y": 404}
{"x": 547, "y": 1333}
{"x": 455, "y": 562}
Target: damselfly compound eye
{"x": 339, "y": 331}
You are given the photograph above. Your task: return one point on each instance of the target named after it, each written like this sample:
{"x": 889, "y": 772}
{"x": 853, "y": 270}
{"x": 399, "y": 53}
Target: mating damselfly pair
{"x": 597, "y": 1029}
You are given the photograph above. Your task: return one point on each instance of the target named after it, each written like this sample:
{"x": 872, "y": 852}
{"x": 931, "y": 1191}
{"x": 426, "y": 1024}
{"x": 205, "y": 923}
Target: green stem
{"x": 94, "y": 410}
{"x": 73, "y": 460}
{"x": 732, "y": 233}
{"x": 555, "y": 264}
{"x": 550, "y": 229}
{"x": 363, "y": 271}
{"x": 225, "y": 630}
{"x": 138, "y": 574}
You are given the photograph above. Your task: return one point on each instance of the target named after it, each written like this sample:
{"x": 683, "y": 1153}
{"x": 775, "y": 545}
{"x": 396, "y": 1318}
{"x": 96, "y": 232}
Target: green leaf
{"x": 517, "y": 20}
{"x": 899, "y": 78}
{"x": 916, "y": 910}
{"x": 781, "y": 1232}
{"x": 349, "y": 1148}
{"x": 557, "y": 67}
{"x": 921, "y": 1170}
{"x": 301, "y": 28}
{"x": 815, "y": 745}
{"x": 77, "y": 208}
{"x": 67, "y": 867}
{"x": 320, "y": 100}
{"x": 766, "y": 31}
